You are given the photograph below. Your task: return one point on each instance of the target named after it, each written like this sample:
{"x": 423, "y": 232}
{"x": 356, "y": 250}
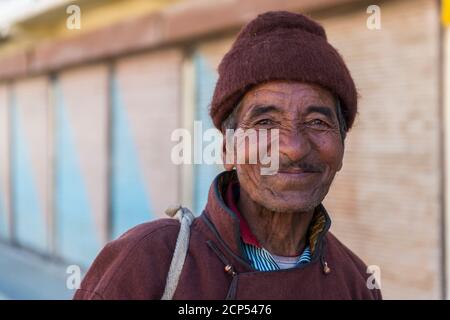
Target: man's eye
{"x": 318, "y": 123}
{"x": 264, "y": 122}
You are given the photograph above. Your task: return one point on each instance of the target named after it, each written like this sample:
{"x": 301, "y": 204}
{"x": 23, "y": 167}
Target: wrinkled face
{"x": 310, "y": 145}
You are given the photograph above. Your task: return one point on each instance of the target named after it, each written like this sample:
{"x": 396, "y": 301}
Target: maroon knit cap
{"x": 281, "y": 45}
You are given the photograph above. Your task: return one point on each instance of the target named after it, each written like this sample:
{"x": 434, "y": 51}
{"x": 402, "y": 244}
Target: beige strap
{"x": 185, "y": 216}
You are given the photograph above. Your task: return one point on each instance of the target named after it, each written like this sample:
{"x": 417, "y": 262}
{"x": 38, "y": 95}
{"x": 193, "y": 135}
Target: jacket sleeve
{"x": 134, "y": 266}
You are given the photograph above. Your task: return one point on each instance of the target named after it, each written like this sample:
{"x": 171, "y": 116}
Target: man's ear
{"x": 230, "y": 165}
{"x": 340, "y": 166}
{"x": 341, "y": 163}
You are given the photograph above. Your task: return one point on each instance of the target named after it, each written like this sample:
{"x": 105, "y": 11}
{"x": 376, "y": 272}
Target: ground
{"x": 25, "y": 275}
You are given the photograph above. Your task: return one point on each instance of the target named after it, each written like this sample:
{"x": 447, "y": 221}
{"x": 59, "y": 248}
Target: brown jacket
{"x": 135, "y": 266}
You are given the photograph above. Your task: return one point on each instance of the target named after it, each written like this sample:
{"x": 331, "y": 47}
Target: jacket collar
{"x": 227, "y": 223}
{"x": 223, "y": 218}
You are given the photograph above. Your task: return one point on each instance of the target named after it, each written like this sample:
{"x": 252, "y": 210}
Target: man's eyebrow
{"x": 326, "y": 111}
{"x": 260, "y": 109}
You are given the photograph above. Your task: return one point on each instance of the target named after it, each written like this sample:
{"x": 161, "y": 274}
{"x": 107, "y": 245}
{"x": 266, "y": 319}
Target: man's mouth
{"x": 298, "y": 171}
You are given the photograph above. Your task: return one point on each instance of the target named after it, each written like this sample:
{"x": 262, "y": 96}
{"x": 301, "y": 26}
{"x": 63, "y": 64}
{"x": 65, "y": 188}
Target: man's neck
{"x": 283, "y": 234}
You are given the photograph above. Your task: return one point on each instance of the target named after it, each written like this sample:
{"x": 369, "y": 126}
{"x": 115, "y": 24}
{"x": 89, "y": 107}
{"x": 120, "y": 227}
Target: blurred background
{"x": 90, "y": 92}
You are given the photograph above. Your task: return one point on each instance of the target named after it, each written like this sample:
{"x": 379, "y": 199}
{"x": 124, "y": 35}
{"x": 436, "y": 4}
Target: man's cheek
{"x": 332, "y": 157}
{"x": 248, "y": 174}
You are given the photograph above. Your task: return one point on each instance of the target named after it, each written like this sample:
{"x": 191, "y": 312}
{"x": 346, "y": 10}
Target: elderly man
{"x": 260, "y": 236}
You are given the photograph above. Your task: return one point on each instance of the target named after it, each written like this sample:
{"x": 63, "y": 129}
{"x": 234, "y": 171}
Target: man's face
{"x": 310, "y": 145}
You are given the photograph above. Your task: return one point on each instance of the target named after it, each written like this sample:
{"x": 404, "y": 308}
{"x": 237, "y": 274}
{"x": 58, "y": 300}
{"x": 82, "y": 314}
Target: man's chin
{"x": 291, "y": 183}
{"x": 286, "y": 206}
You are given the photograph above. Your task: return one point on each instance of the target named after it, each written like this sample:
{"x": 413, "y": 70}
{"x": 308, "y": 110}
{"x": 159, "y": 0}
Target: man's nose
{"x": 295, "y": 145}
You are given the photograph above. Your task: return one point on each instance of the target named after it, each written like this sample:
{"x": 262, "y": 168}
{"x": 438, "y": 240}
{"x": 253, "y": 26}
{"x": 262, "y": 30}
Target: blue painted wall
{"x": 204, "y": 174}
{"x": 29, "y": 227}
{"x": 77, "y": 238}
{"x": 129, "y": 194}
{"x": 4, "y": 234}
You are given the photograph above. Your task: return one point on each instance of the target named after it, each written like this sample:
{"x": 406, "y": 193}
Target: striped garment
{"x": 262, "y": 260}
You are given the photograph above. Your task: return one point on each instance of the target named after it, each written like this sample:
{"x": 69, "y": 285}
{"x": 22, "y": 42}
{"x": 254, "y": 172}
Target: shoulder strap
{"x": 185, "y": 216}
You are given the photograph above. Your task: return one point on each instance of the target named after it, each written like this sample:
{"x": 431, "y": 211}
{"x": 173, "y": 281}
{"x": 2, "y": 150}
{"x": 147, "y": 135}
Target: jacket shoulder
{"x": 336, "y": 245}
{"x": 160, "y": 229}
{"x": 351, "y": 263}
{"x": 134, "y": 265}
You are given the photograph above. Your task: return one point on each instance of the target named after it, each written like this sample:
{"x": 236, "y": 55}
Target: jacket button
{"x": 229, "y": 270}
{"x": 326, "y": 268}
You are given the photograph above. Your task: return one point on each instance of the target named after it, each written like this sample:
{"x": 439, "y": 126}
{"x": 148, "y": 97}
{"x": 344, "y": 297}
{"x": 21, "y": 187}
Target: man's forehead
{"x": 283, "y": 91}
